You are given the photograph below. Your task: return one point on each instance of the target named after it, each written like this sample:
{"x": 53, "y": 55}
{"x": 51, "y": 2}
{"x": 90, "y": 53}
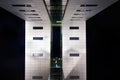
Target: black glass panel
{"x": 56, "y": 42}
{"x": 37, "y": 38}
{"x": 74, "y": 54}
{"x": 37, "y": 77}
{"x": 37, "y": 27}
{"x": 74, "y": 38}
{"x": 74, "y": 27}
{"x": 74, "y": 77}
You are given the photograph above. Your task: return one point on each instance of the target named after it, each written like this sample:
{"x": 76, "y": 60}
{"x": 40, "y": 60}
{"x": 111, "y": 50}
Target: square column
{"x": 37, "y": 50}
{"x": 74, "y": 50}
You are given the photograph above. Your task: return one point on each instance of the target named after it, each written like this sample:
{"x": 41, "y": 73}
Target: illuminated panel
{"x": 74, "y": 51}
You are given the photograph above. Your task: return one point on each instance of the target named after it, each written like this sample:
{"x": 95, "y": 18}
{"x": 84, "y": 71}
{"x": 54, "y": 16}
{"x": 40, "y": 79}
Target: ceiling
{"x": 29, "y": 10}
{"x": 78, "y": 10}
{"x": 38, "y": 10}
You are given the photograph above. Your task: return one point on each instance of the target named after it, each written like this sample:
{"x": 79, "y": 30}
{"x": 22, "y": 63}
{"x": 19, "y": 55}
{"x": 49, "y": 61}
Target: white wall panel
{"x": 35, "y": 63}
{"x": 74, "y": 65}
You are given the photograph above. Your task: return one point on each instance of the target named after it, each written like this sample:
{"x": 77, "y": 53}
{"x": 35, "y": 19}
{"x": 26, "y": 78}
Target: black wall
{"x": 103, "y": 44}
{"x": 12, "y": 46}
